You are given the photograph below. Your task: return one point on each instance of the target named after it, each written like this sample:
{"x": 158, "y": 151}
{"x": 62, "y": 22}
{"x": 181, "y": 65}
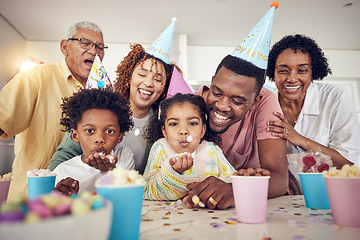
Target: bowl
{"x": 93, "y": 225}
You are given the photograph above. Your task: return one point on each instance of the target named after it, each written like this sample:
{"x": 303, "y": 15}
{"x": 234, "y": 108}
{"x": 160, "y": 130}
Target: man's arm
{"x": 272, "y": 154}
{"x": 65, "y": 151}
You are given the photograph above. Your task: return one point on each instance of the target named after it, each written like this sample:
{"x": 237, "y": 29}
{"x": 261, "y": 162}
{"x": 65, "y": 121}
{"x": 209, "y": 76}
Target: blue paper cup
{"x": 314, "y": 189}
{"x": 127, "y": 203}
{"x": 38, "y": 186}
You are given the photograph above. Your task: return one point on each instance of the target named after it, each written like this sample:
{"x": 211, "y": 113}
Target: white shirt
{"x": 329, "y": 118}
{"x": 86, "y": 175}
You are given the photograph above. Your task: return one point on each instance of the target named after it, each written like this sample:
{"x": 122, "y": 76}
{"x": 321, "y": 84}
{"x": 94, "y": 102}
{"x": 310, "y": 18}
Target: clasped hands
{"x": 69, "y": 186}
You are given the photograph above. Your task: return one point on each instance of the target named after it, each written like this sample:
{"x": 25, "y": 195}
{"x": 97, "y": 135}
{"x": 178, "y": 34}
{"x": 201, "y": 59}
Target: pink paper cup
{"x": 4, "y": 189}
{"x": 344, "y": 197}
{"x": 38, "y": 186}
{"x": 250, "y": 196}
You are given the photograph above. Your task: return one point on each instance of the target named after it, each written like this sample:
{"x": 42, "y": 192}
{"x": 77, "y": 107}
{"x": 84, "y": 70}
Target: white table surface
{"x": 287, "y": 218}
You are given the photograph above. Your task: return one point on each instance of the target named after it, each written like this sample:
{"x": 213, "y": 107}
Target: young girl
{"x": 184, "y": 149}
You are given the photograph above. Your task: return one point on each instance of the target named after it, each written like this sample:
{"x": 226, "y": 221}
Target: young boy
{"x": 97, "y": 120}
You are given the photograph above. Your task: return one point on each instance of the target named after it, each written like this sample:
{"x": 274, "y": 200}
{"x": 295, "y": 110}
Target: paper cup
{"x": 250, "y": 195}
{"x": 38, "y": 186}
{"x": 127, "y": 203}
{"x": 344, "y": 197}
{"x": 4, "y": 189}
{"x": 314, "y": 189}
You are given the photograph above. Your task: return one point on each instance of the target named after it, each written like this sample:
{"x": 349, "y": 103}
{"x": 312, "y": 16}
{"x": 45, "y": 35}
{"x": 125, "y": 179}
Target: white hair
{"x": 85, "y": 25}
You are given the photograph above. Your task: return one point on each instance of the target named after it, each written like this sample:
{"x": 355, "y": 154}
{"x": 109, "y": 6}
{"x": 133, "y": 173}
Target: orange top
{"x": 275, "y": 4}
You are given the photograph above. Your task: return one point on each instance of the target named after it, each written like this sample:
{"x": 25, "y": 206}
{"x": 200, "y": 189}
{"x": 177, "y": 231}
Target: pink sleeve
{"x": 265, "y": 113}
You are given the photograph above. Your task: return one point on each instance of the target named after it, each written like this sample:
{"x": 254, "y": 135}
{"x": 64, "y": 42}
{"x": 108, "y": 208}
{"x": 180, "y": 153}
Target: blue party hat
{"x": 98, "y": 77}
{"x": 161, "y": 47}
{"x": 256, "y": 45}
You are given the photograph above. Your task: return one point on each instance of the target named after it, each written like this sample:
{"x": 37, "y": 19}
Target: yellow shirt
{"x": 30, "y": 111}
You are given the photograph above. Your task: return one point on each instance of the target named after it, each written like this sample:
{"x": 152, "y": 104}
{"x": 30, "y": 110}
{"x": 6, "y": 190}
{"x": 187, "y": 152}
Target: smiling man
{"x": 30, "y": 102}
{"x": 239, "y": 108}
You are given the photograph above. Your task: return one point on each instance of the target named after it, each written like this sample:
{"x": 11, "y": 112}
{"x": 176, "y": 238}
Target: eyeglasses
{"x": 88, "y": 44}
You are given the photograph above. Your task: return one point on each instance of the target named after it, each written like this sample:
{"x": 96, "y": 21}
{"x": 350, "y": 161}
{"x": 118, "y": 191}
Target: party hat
{"x": 98, "y": 77}
{"x": 178, "y": 85}
{"x": 161, "y": 48}
{"x": 256, "y": 45}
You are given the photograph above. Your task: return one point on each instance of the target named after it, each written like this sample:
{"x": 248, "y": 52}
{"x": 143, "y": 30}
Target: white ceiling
{"x": 206, "y": 22}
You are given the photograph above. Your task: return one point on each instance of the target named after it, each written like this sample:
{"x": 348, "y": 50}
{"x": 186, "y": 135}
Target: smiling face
{"x": 229, "y": 98}
{"x": 183, "y": 120}
{"x": 98, "y": 131}
{"x": 293, "y": 74}
{"x": 146, "y": 85}
{"x": 80, "y": 60}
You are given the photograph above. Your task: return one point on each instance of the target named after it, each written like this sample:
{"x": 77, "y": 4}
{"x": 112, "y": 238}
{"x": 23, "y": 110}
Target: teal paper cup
{"x": 314, "y": 189}
{"x": 40, "y": 185}
{"x": 127, "y": 203}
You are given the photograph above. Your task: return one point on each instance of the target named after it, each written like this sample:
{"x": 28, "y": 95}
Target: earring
{"x": 159, "y": 113}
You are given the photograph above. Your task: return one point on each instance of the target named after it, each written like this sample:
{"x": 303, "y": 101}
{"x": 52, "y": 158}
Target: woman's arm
{"x": 286, "y": 131}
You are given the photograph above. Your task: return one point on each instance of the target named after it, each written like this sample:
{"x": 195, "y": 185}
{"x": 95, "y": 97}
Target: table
{"x": 287, "y": 218}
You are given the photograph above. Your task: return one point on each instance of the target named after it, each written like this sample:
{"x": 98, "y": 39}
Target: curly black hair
{"x": 245, "y": 68}
{"x": 73, "y": 107}
{"x": 319, "y": 64}
{"x": 153, "y": 131}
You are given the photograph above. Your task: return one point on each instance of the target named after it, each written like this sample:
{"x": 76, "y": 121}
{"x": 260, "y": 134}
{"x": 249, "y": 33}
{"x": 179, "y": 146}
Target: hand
{"x": 182, "y": 162}
{"x": 67, "y": 186}
{"x": 284, "y": 130}
{"x": 101, "y": 162}
{"x": 220, "y": 192}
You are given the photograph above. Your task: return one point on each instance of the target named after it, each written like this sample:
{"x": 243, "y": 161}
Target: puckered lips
{"x": 100, "y": 151}
{"x": 292, "y": 88}
{"x": 184, "y": 143}
{"x": 145, "y": 94}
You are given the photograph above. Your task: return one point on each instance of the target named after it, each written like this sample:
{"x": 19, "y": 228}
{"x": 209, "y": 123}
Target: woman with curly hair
{"x": 316, "y": 116}
{"x": 144, "y": 80}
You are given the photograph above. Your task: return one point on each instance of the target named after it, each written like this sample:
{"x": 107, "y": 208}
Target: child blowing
{"x": 97, "y": 120}
{"x": 184, "y": 149}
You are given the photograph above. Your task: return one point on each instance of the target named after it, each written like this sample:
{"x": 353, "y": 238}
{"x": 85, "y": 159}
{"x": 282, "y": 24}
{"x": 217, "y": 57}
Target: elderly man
{"x": 30, "y": 102}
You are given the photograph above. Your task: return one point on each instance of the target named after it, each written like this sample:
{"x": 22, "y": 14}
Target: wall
{"x": 12, "y": 49}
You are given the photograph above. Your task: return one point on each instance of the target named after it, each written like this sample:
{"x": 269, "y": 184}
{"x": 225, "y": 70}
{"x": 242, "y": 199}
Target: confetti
{"x": 147, "y": 220}
{"x": 216, "y": 225}
{"x": 231, "y": 222}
